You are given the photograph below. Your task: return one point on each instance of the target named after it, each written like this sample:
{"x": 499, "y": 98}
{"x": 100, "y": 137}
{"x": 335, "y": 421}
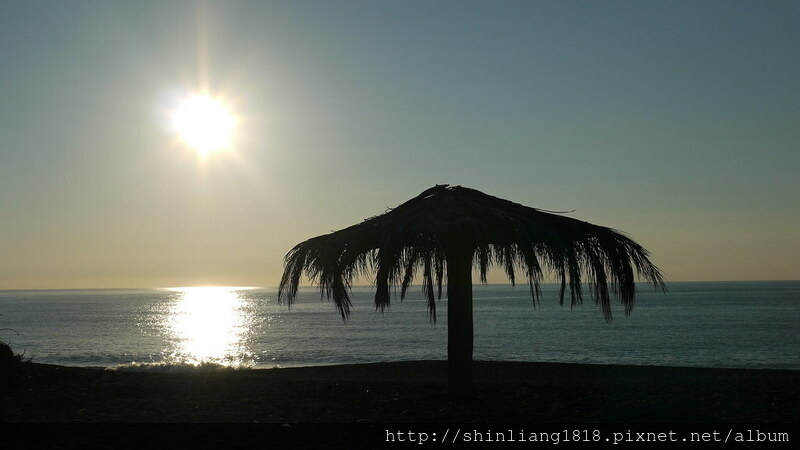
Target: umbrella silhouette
{"x": 446, "y": 230}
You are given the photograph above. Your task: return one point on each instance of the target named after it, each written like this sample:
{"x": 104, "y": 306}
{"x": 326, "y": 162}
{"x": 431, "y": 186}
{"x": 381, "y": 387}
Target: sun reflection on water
{"x": 208, "y": 325}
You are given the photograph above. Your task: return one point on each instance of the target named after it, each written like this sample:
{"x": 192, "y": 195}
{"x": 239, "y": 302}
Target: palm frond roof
{"x": 444, "y": 221}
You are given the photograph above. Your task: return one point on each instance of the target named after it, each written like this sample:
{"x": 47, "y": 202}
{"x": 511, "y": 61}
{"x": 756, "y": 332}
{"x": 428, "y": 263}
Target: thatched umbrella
{"x": 447, "y": 229}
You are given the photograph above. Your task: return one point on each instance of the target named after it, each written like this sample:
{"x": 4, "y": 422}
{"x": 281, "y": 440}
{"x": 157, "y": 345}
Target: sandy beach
{"x": 408, "y": 392}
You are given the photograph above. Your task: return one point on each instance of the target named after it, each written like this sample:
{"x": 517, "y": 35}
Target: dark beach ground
{"x": 404, "y": 392}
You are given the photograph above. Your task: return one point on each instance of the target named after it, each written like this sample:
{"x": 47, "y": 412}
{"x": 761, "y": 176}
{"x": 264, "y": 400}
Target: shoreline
{"x": 407, "y": 391}
{"x": 167, "y": 367}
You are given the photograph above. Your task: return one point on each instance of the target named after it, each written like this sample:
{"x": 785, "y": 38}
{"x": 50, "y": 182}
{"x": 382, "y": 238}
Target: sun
{"x": 204, "y": 123}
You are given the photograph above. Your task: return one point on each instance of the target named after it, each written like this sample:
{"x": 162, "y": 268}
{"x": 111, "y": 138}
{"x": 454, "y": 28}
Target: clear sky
{"x": 676, "y": 122}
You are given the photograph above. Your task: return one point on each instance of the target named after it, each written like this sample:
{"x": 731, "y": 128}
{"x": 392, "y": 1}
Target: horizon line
{"x": 238, "y": 287}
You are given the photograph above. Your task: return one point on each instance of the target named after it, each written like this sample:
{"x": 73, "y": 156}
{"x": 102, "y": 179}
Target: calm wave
{"x": 735, "y": 324}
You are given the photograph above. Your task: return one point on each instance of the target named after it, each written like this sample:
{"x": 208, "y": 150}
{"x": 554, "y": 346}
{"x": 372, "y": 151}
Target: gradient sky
{"x": 676, "y": 122}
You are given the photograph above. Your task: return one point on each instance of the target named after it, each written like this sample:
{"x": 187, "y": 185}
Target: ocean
{"x": 695, "y": 324}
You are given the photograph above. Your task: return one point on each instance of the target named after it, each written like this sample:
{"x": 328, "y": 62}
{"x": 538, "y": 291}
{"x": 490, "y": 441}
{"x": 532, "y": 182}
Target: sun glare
{"x": 204, "y": 123}
{"x": 209, "y": 324}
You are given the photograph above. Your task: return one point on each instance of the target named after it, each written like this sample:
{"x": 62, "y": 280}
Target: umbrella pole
{"x": 459, "y": 323}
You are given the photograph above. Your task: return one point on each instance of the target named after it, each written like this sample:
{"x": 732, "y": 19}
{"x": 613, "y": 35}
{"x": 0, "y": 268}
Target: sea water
{"x": 698, "y": 324}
